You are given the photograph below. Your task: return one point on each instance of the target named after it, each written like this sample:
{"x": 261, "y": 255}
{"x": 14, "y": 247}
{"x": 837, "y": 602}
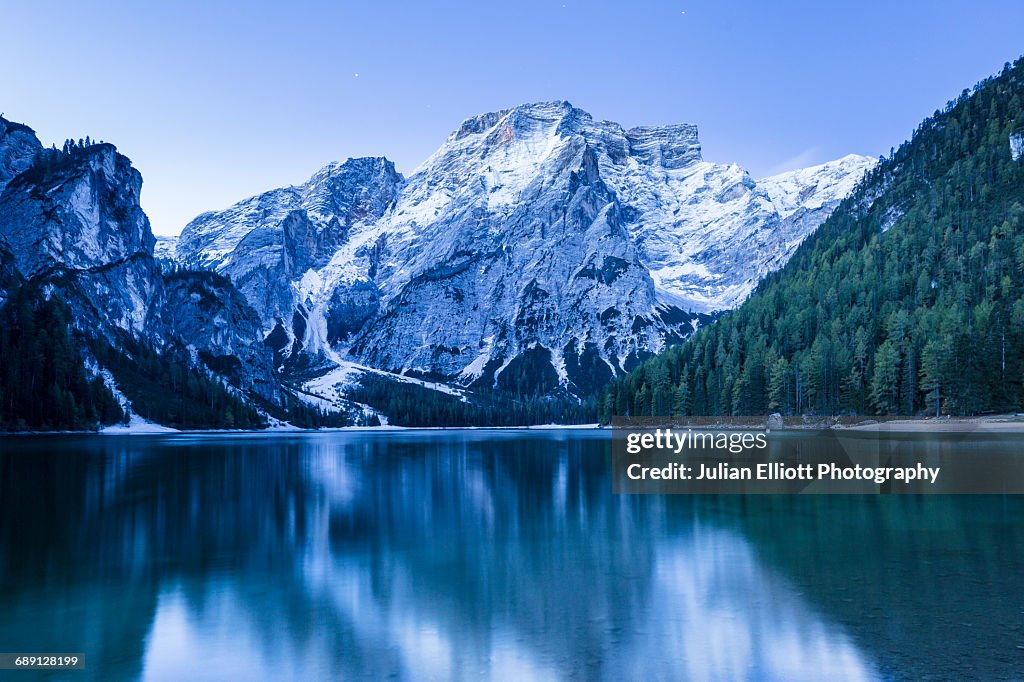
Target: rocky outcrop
{"x": 267, "y": 242}
{"x": 165, "y": 249}
{"x": 804, "y": 198}
{"x": 74, "y": 219}
{"x": 205, "y": 312}
{"x": 18, "y": 148}
{"x": 9, "y": 276}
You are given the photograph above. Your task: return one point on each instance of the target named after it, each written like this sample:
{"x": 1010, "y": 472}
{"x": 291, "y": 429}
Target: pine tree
{"x": 932, "y": 367}
{"x": 779, "y": 396}
{"x": 885, "y": 378}
{"x": 681, "y": 395}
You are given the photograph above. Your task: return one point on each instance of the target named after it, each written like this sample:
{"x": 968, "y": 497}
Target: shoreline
{"x": 994, "y": 424}
{"x": 169, "y": 431}
{"x": 1006, "y": 424}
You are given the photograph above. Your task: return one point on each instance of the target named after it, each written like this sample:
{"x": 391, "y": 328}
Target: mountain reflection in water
{"x": 467, "y": 554}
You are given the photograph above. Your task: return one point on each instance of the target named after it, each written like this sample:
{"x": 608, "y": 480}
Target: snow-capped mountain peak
{"x": 536, "y": 245}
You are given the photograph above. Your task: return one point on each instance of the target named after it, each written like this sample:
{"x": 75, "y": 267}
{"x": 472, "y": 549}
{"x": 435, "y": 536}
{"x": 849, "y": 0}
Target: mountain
{"x": 536, "y": 252}
{"x": 76, "y": 251}
{"x": 909, "y": 299}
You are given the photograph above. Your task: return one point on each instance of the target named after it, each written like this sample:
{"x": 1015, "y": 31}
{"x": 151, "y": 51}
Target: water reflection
{"x": 440, "y": 555}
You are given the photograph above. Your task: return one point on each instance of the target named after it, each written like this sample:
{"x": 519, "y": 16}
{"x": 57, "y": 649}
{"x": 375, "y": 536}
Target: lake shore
{"x": 151, "y": 429}
{"x": 995, "y": 424}
{"x": 1009, "y": 423}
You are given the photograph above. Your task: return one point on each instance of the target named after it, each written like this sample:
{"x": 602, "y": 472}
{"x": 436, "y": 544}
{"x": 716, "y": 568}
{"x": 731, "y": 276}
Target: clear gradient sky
{"x": 216, "y": 101}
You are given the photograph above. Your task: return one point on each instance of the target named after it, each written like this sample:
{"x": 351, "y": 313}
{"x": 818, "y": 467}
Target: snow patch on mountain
{"x": 136, "y": 426}
{"x": 333, "y": 384}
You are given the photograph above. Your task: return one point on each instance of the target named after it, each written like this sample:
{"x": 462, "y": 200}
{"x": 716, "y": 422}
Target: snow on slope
{"x": 165, "y": 248}
{"x": 816, "y": 186}
{"x": 333, "y": 385}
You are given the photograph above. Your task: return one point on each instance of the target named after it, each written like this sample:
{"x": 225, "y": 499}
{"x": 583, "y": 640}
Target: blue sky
{"x": 216, "y": 101}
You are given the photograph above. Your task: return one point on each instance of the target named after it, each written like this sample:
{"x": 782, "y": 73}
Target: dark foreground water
{"x": 467, "y": 554}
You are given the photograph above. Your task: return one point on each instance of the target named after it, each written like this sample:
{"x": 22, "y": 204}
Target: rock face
{"x": 165, "y": 249}
{"x": 204, "y": 311}
{"x": 18, "y": 148}
{"x": 805, "y": 198}
{"x": 75, "y": 218}
{"x": 71, "y": 221}
{"x": 266, "y": 242}
{"x": 533, "y": 238}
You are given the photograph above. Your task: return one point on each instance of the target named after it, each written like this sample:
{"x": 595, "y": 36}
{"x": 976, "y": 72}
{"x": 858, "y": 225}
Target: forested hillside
{"x": 45, "y": 386}
{"x": 167, "y": 389}
{"x": 43, "y": 382}
{"x": 907, "y": 300}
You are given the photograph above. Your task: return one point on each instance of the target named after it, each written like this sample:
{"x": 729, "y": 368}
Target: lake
{"x": 481, "y": 553}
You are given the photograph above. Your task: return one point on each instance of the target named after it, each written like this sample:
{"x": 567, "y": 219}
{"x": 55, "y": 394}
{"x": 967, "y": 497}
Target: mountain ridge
{"x": 533, "y": 257}
{"x": 505, "y": 200}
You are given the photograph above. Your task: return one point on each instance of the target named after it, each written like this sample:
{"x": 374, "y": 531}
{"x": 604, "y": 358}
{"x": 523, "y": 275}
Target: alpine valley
{"x": 535, "y": 256}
